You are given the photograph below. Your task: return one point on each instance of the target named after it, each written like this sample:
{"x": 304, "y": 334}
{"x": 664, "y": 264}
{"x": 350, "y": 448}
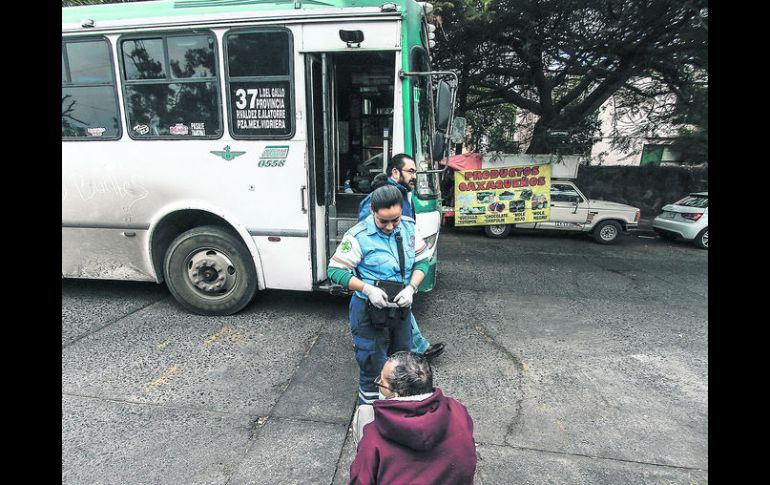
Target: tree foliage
{"x": 491, "y": 129}
{"x": 562, "y": 59}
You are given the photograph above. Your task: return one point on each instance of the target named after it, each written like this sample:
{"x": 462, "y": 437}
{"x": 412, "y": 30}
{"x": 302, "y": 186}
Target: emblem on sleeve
{"x": 346, "y": 246}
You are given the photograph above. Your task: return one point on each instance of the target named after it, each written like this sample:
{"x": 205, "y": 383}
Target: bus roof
{"x": 171, "y": 8}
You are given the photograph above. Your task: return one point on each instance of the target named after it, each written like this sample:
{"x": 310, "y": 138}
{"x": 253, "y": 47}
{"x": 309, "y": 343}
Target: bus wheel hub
{"x": 211, "y": 272}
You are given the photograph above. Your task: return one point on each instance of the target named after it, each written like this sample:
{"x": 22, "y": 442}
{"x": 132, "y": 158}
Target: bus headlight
{"x": 431, "y": 241}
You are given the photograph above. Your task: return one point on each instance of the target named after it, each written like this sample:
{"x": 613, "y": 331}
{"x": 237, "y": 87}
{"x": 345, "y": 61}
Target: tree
{"x": 693, "y": 140}
{"x": 492, "y": 129}
{"x": 562, "y": 59}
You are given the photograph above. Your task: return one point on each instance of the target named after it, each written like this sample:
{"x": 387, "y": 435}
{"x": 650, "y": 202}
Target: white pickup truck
{"x": 573, "y": 211}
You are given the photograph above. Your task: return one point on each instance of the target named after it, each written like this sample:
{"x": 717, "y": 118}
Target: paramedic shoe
{"x": 434, "y": 351}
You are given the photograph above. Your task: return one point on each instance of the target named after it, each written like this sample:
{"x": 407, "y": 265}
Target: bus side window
{"x": 170, "y": 86}
{"x": 260, "y": 87}
{"x": 89, "y": 101}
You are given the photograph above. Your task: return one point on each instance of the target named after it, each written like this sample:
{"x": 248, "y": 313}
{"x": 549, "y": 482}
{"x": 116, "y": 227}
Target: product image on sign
{"x": 479, "y": 195}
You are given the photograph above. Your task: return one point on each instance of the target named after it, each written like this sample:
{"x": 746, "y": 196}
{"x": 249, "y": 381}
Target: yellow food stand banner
{"x": 504, "y": 195}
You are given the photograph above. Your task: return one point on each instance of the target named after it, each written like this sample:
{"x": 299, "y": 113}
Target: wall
{"x": 631, "y": 122}
{"x": 649, "y": 187}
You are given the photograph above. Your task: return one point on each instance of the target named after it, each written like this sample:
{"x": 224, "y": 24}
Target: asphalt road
{"x": 579, "y": 363}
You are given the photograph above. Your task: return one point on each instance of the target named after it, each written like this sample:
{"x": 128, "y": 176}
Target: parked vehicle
{"x": 686, "y": 219}
{"x": 573, "y": 211}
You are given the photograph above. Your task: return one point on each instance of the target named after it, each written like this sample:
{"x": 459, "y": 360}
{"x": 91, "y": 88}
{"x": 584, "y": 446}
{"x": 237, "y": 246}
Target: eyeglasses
{"x": 411, "y": 171}
{"x": 378, "y": 383}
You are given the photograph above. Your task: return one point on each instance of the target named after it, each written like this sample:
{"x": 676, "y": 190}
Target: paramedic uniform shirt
{"x": 375, "y": 255}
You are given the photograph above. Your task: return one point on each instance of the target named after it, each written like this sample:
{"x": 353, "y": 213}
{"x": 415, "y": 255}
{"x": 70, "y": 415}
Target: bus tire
{"x": 497, "y": 231}
{"x": 210, "y": 272}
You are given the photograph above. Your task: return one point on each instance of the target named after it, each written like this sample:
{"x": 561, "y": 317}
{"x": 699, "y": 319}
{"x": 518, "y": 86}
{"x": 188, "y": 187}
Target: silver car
{"x": 686, "y": 219}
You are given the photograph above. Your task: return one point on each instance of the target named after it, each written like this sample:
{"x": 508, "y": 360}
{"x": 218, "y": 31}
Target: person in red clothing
{"x": 418, "y": 435}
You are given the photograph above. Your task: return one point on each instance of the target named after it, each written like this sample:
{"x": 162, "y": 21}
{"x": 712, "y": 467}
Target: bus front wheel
{"x": 210, "y": 272}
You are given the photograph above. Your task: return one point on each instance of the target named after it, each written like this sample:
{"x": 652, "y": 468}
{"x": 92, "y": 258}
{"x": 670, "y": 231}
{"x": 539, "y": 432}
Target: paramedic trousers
{"x": 373, "y": 346}
{"x": 419, "y": 343}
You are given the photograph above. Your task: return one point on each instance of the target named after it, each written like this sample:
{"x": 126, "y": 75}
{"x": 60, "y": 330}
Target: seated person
{"x": 414, "y": 434}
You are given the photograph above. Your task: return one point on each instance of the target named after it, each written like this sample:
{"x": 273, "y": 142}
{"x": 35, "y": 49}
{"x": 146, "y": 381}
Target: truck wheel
{"x": 210, "y": 272}
{"x": 702, "y": 239}
{"x": 497, "y": 231}
{"x": 607, "y": 232}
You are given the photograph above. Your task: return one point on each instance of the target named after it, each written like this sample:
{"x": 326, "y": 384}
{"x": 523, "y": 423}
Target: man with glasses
{"x": 402, "y": 174}
{"x": 413, "y": 434}
{"x": 369, "y": 253}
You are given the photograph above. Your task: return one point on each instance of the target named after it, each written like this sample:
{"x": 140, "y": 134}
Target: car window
{"x": 694, "y": 201}
{"x": 564, "y": 193}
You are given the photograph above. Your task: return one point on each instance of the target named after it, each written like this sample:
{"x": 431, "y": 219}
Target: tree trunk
{"x": 539, "y": 143}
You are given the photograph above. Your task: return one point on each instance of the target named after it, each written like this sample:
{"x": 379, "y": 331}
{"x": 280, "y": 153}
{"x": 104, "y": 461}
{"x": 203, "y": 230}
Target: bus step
{"x": 345, "y": 223}
{"x": 333, "y": 288}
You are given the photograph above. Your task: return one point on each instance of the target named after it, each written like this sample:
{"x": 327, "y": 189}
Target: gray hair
{"x": 385, "y": 197}
{"x": 411, "y": 374}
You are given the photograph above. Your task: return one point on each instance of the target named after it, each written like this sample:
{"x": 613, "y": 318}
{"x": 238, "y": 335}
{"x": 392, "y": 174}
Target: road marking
{"x": 227, "y": 331}
{"x": 163, "y": 379}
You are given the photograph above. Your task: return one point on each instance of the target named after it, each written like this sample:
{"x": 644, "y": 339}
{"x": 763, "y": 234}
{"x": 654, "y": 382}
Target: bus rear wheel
{"x": 210, "y": 272}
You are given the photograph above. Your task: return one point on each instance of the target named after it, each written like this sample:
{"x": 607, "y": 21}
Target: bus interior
{"x": 360, "y": 87}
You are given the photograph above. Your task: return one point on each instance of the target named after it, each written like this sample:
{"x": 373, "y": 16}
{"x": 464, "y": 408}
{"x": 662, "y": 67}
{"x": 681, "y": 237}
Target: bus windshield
{"x": 423, "y": 125}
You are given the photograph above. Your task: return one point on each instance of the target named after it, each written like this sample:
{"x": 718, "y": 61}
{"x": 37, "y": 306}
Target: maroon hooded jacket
{"x": 416, "y": 442}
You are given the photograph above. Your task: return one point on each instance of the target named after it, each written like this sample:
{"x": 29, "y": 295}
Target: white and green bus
{"x": 222, "y": 147}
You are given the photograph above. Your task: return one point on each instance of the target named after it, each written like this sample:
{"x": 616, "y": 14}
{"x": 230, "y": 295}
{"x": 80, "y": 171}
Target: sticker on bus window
{"x": 96, "y": 131}
{"x": 198, "y": 129}
{"x": 179, "y": 129}
{"x": 261, "y": 108}
{"x": 141, "y": 129}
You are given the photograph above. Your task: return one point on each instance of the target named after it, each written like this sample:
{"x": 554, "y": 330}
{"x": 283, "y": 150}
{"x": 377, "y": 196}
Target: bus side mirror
{"x": 438, "y": 146}
{"x": 458, "y": 130}
{"x": 443, "y": 106}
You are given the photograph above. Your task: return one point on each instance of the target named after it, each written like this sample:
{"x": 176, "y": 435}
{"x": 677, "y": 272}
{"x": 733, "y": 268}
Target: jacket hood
{"x": 397, "y": 185}
{"x": 418, "y": 425}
